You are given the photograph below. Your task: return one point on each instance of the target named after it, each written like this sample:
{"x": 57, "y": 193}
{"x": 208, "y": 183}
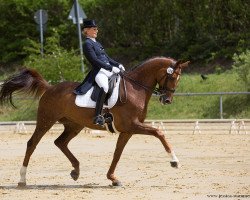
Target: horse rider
{"x": 103, "y": 67}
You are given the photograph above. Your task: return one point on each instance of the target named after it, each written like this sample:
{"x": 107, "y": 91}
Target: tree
{"x": 200, "y": 30}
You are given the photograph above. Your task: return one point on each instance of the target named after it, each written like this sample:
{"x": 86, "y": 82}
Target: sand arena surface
{"x": 212, "y": 165}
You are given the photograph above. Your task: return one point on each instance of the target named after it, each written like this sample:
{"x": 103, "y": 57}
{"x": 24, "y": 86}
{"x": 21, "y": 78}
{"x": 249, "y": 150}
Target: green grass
{"x": 193, "y": 107}
{"x": 26, "y": 110}
{"x": 188, "y": 107}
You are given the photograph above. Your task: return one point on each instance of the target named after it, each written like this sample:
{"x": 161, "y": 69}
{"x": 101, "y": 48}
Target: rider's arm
{"x": 113, "y": 62}
{"x": 92, "y": 58}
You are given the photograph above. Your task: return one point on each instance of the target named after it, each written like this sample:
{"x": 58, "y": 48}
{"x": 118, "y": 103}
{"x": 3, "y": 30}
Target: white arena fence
{"x": 194, "y": 126}
{"x": 201, "y": 126}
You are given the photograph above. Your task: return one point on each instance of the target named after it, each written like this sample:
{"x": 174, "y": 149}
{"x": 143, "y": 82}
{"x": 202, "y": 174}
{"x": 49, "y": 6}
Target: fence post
{"x": 20, "y": 128}
{"x": 233, "y": 127}
{"x": 196, "y": 127}
{"x": 242, "y": 125}
{"x": 221, "y": 108}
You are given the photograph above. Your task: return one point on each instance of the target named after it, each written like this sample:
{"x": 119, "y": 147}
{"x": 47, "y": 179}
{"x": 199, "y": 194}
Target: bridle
{"x": 158, "y": 91}
{"x": 163, "y": 89}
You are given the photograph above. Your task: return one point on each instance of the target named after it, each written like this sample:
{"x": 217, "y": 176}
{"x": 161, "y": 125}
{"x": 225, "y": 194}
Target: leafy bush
{"x": 242, "y": 66}
{"x": 57, "y": 64}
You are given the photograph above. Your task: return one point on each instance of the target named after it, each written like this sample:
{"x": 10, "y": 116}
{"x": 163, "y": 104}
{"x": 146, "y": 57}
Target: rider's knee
{"x": 105, "y": 88}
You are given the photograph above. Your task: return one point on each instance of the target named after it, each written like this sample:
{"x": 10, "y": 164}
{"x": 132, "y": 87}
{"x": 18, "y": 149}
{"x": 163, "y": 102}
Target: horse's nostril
{"x": 165, "y": 100}
{"x": 168, "y": 101}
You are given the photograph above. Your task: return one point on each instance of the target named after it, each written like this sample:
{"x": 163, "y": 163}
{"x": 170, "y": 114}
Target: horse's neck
{"x": 146, "y": 74}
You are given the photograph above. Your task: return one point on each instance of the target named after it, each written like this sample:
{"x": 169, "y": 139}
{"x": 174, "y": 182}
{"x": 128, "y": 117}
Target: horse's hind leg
{"x": 71, "y": 130}
{"x": 41, "y": 128}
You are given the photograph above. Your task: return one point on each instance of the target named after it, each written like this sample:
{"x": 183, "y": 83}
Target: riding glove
{"x": 115, "y": 70}
{"x": 121, "y": 67}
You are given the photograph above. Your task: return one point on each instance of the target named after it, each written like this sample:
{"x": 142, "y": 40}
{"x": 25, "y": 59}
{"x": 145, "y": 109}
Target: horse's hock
{"x": 203, "y": 126}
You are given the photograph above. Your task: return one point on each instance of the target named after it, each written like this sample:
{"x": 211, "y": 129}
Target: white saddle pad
{"x": 86, "y": 101}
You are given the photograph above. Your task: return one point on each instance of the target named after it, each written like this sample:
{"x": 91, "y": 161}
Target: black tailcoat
{"x": 98, "y": 58}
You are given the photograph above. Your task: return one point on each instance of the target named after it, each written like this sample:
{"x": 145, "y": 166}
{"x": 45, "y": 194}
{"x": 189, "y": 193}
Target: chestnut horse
{"x": 57, "y": 103}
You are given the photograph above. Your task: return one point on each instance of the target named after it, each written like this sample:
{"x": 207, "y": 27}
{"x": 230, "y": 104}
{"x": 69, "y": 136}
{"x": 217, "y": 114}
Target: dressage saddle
{"x": 97, "y": 89}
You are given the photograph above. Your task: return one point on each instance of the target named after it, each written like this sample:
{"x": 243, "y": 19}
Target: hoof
{"x": 74, "y": 175}
{"x": 21, "y": 184}
{"x": 117, "y": 183}
{"x": 175, "y": 164}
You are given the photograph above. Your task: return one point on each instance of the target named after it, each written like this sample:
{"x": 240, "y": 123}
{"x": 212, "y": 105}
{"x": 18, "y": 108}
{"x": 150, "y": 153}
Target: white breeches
{"x": 102, "y": 79}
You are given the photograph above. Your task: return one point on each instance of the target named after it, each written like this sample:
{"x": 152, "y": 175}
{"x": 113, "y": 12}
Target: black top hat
{"x": 88, "y": 23}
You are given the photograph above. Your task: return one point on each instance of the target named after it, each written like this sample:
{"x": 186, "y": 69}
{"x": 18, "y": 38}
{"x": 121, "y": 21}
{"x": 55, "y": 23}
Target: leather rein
{"x": 158, "y": 91}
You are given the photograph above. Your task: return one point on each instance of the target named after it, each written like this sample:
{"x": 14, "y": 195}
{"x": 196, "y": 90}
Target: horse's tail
{"x": 27, "y": 81}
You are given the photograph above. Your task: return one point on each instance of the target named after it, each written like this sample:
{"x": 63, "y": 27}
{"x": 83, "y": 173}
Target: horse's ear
{"x": 185, "y": 64}
{"x": 177, "y": 63}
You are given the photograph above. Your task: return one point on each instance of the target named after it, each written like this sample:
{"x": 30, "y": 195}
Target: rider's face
{"x": 91, "y": 32}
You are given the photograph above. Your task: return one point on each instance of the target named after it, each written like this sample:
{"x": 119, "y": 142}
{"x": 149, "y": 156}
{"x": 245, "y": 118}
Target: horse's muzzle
{"x": 165, "y": 100}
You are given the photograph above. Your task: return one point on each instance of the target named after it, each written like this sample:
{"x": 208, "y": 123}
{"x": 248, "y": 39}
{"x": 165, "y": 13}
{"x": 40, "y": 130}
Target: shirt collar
{"x": 93, "y": 39}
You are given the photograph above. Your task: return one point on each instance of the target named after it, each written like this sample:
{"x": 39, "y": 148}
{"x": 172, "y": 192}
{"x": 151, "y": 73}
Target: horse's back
{"x": 59, "y": 96}
{"x": 61, "y": 89}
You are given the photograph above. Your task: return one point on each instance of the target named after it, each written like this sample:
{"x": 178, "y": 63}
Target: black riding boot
{"x": 99, "y": 119}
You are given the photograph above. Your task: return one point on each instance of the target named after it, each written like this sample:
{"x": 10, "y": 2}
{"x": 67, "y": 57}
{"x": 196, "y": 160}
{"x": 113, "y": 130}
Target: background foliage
{"x": 58, "y": 64}
{"x": 200, "y": 30}
{"x": 242, "y": 66}
{"x": 213, "y": 34}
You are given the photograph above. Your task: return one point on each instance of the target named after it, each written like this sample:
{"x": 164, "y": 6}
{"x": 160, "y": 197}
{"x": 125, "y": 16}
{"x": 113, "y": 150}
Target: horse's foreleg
{"x": 121, "y": 143}
{"x": 62, "y": 141}
{"x": 140, "y": 128}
